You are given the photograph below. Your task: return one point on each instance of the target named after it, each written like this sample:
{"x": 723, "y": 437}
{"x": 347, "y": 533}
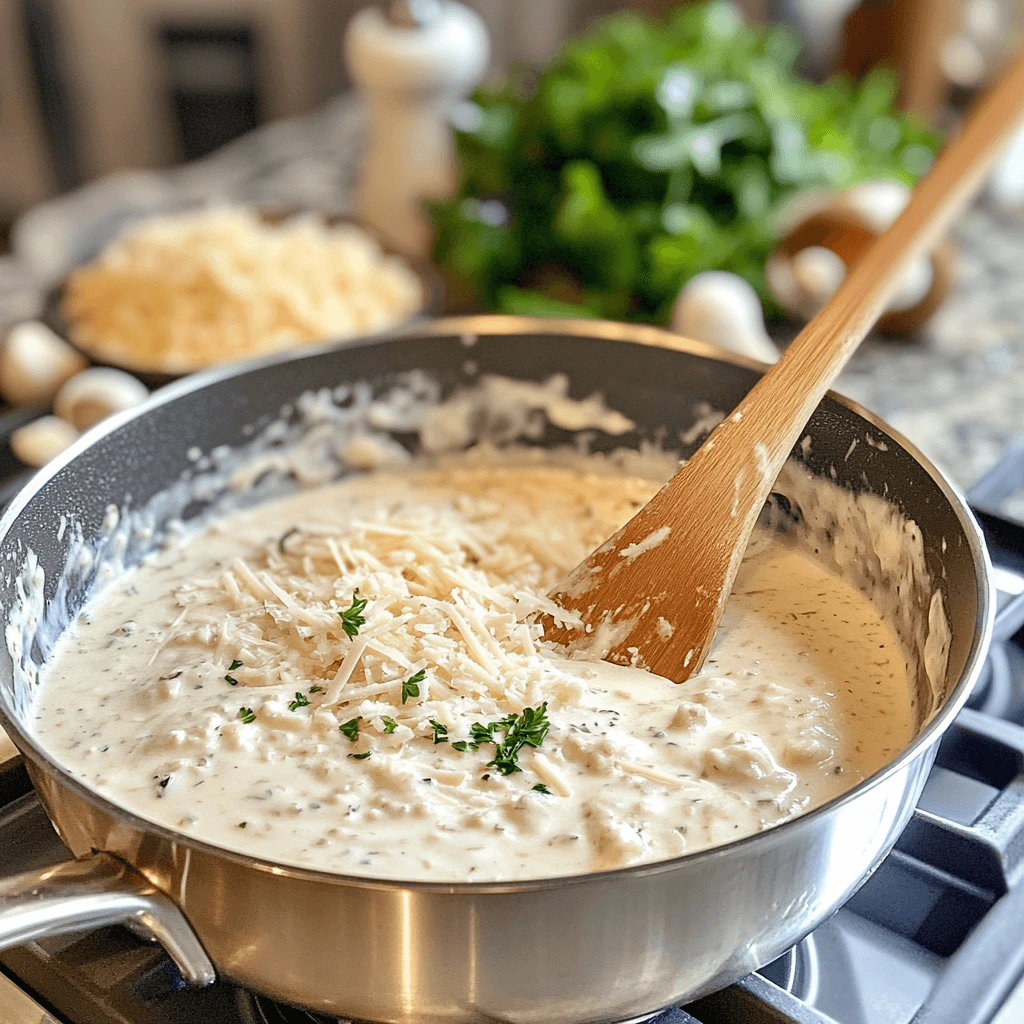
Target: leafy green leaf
{"x": 527, "y": 729}
{"x": 351, "y": 728}
{"x": 352, "y": 617}
{"x": 411, "y": 688}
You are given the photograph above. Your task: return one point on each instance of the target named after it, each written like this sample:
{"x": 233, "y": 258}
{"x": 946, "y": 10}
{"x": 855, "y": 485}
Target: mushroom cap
{"x": 42, "y": 439}
{"x": 722, "y": 309}
{"x": 96, "y": 393}
{"x": 34, "y": 363}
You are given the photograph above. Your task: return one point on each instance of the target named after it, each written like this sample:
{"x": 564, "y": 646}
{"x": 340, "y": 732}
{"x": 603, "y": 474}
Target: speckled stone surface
{"x": 957, "y": 390}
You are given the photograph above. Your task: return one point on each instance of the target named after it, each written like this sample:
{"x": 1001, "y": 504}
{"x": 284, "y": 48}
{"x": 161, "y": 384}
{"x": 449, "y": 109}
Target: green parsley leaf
{"x": 352, "y": 617}
{"x": 390, "y": 725}
{"x": 541, "y": 788}
{"x": 231, "y": 668}
{"x": 351, "y": 728}
{"x": 235, "y": 664}
{"x": 301, "y": 701}
{"x": 284, "y": 537}
{"x": 481, "y": 733}
{"x": 247, "y": 715}
{"x": 411, "y": 687}
{"x": 242, "y": 824}
{"x": 525, "y": 730}
{"x": 37, "y": 678}
{"x": 440, "y": 731}
{"x": 316, "y": 689}
{"x": 361, "y": 757}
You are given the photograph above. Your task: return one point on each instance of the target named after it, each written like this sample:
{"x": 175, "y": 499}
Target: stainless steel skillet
{"x": 600, "y": 948}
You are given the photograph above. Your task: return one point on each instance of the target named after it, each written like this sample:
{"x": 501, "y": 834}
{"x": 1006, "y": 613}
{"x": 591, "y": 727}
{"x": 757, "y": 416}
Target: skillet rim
{"x": 466, "y": 326}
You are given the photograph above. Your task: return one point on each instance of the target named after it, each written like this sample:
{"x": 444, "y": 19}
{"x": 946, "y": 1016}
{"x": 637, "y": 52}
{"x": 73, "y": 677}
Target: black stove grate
{"x": 266, "y": 1012}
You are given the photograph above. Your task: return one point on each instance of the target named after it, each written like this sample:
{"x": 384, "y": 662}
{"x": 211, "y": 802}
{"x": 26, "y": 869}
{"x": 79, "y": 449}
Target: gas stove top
{"x": 935, "y": 936}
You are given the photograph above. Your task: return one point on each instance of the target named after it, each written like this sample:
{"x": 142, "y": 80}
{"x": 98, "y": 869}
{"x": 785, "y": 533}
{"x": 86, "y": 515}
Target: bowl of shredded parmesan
{"x": 175, "y": 293}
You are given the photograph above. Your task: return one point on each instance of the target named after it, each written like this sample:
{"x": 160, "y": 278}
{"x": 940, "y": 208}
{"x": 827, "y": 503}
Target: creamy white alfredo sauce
{"x": 215, "y": 689}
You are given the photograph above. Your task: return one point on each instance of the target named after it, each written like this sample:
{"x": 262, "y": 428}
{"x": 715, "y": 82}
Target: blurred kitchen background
{"x": 714, "y": 167}
{"x": 88, "y": 87}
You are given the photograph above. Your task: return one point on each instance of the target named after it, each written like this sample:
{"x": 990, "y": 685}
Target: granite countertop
{"x": 957, "y": 390}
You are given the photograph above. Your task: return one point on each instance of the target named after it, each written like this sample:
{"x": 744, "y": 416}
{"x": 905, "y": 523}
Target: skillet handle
{"x": 93, "y": 891}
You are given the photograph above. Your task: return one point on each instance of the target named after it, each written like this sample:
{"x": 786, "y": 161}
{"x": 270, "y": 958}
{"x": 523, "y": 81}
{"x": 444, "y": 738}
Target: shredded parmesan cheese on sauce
{"x": 331, "y": 679}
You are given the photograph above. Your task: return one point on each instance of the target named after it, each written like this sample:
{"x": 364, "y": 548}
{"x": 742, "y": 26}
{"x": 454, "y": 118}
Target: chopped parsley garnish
{"x": 541, "y": 788}
{"x": 352, "y": 617}
{"x": 518, "y": 731}
{"x": 525, "y": 730}
{"x": 361, "y": 757}
{"x": 411, "y": 687}
{"x": 351, "y": 728}
{"x": 231, "y": 668}
{"x": 316, "y": 689}
{"x": 390, "y": 725}
{"x": 301, "y": 701}
{"x": 247, "y": 715}
{"x": 482, "y": 733}
{"x": 440, "y": 731}
{"x": 242, "y": 824}
{"x": 37, "y": 678}
{"x": 284, "y": 536}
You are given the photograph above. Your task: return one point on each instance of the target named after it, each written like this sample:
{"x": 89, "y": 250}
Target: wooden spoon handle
{"x": 823, "y": 347}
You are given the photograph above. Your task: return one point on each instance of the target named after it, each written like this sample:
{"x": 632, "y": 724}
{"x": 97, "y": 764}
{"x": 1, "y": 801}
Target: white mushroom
{"x": 915, "y": 284}
{"x": 42, "y": 439}
{"x": 722, "y": 309}
{"x": 34, "y": 363}
{"x": 96, "y": 393}
{"x": 804, "y": 282}
{"x": 818, "y": 273}
{"x": 875, "y": 204}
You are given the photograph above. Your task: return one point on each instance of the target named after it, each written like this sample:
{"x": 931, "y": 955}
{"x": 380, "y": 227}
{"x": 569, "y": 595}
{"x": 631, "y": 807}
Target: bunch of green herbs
{"x": 649, "y": 151}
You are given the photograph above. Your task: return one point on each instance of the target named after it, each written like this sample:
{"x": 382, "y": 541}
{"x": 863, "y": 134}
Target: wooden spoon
{"x": 653, "y": 594}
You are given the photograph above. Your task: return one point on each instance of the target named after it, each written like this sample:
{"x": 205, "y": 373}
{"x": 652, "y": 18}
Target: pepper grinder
{"x": 413, "y": 63}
